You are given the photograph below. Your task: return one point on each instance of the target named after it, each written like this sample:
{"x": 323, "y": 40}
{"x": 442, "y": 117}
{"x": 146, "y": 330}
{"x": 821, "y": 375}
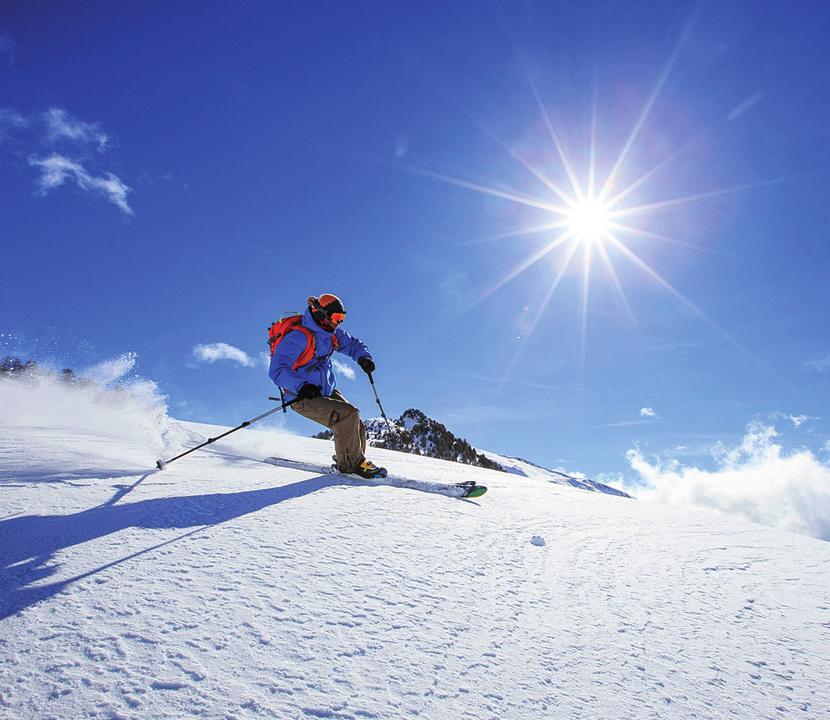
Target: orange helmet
{"x": 327, "y": 310}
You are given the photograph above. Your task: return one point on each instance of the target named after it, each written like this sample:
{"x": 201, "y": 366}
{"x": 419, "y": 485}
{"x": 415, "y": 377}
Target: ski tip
{"x": 160, "y": 464}
{"x": 476, "y": 491}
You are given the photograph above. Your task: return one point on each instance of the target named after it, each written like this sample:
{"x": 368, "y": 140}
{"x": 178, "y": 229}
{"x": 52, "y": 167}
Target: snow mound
{"x": 104, "y": 401}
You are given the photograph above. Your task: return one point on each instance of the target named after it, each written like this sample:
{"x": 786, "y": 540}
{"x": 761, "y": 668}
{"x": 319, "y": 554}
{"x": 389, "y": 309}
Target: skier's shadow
{"x": 28, "y": 543}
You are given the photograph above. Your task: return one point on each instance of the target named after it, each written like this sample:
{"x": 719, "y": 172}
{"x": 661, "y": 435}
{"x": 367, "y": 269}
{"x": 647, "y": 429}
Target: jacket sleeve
{"x": 281, "y": 370}
{"x": 351, "y": 346}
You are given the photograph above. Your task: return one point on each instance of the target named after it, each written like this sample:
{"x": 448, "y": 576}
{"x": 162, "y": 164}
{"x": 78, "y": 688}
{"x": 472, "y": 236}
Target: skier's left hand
{"x": 366, "y": 365}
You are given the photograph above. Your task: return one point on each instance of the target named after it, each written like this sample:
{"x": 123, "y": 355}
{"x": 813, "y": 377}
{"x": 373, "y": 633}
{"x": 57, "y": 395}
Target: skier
{"x": 301, "y": 368}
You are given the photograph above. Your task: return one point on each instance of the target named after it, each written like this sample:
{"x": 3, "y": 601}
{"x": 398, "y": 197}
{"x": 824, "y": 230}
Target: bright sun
{"x": 589, "y": 220}
{"x": 588, "y": 216}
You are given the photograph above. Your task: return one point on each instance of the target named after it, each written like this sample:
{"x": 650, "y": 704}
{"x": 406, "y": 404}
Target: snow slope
{"x": 225, "y": 587}
{"x": 525, "y": 468}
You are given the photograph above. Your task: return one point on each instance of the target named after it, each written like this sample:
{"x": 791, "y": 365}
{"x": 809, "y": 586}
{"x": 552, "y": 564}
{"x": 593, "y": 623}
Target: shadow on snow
{"x": 28, "y": 543}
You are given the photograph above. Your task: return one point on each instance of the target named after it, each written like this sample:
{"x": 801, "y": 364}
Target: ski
{"x": 471, "y": 489}
{"x": 464, "y": 490}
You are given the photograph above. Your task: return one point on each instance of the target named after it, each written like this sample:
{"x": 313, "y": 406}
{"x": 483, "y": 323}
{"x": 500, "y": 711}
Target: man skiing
{"x": 301, "y": 367}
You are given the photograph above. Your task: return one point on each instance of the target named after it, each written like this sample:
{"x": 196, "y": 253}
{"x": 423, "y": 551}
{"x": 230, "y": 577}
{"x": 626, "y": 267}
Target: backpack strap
{"x": 307, "y": 355}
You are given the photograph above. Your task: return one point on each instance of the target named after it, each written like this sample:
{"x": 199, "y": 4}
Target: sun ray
{"x": 566, "y": 261}
{"x": 519, "y": 269}
{"x": 547, "y": 182}
{"x": 655, "y": 93}
{"x": 524, "y": 232}
{"x": 631, "y": 230}
{"x": 665, "y": 284}
{"x": 560, "y": 149}
{"x": 616, "y": 280}
{"x": 495, "y": 192}
{"x": 586, "y": 285}
{"x": 592, "y": 150}
{"x": 662, "y": 204}
{"x": 659, "y": 166}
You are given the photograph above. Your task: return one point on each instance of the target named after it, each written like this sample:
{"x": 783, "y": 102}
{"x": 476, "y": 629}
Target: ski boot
{"x": 368, "y": 470}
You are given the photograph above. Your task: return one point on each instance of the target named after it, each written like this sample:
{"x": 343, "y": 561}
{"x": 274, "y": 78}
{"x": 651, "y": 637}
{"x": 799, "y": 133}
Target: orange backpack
{"x": 285, "y": 325}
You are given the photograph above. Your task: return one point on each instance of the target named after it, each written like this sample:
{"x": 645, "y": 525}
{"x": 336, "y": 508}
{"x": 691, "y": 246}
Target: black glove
{"x": 366, "y": 365}
{"x": 309, "y": 392}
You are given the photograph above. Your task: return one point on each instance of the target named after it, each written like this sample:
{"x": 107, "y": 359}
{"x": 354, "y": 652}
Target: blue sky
{"x": 178, "y": 175}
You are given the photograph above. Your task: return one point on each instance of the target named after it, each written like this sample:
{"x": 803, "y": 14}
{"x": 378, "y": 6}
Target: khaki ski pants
{"x": 343, "y": 419}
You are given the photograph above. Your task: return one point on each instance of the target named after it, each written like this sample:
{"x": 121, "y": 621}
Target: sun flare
{"x": 589, "y": 220}
{"x": 590, "y": 214}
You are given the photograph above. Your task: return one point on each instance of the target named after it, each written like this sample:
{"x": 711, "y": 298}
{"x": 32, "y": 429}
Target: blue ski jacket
{"x": 319, "y": 370}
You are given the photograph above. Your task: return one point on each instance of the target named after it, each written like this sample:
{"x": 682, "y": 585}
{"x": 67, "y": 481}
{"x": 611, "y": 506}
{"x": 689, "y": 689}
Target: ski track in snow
{"x": 225, "y": 587}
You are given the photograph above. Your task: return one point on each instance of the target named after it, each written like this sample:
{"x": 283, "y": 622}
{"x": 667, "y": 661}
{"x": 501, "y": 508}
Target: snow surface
{"x": 525, "y": 468}
{"x": 226, "y": 587}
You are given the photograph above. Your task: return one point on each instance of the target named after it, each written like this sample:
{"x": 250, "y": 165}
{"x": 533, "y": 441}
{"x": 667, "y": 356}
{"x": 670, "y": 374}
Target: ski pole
{"x": 161, "y": 464}
{"x": 377, "y": 400}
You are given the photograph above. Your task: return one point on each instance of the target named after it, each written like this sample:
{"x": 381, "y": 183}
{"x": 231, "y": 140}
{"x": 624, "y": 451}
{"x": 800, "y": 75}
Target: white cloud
{"x": 818, "y": 364}
{"x": 61, "y": 125}
{"x": 756, "y": 479}
{"x": 57, "y": 169}
{"x": 212, "y": 352}
{"x": 621, "y": 423}
{"x": 796, "y": 420}
{"x": 10, "y": 119}
{"x": 647, "y": 414}
{"x": 347, "y": 371}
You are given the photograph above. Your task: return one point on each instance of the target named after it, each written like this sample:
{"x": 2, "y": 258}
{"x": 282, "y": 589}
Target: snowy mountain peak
{"x": 414, "y": 432}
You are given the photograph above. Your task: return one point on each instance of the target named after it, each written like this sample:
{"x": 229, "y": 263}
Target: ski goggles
{"x": 337, "y": 318}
